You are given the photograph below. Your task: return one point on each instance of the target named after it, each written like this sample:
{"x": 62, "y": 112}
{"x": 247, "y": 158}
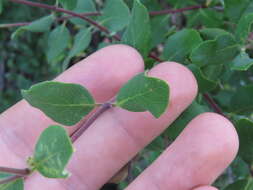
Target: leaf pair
{"x": 69, "y": 103}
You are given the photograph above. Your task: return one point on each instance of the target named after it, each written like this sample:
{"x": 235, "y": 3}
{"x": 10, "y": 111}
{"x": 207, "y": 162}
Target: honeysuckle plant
{"x": 213, "y": 38}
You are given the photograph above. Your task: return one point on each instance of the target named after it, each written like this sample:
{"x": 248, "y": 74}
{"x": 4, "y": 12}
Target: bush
{"x": 212, "y": 38}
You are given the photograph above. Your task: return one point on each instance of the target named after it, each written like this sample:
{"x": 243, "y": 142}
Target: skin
{"x": 197, "y": 157}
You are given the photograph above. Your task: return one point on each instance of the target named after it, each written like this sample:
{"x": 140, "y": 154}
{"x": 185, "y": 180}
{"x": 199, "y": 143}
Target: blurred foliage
{"x": 214, "y": 42}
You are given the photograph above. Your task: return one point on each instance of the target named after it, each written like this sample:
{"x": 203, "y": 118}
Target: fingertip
{"x": 223, "y": 131}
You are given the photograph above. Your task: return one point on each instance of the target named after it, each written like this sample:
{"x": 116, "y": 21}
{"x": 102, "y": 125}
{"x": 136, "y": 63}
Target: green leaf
{"x": 15, "y": 185}
{"x": 83, "y": 6}
{"x": 68, "y": 4}
{"x": 242, "y": 62}
{"x": 204, "y": 84}
{"x": 210, "y": 18}
{"x": 244, "y": 184}
{"x": 159, "y": 28}
{"x": 138, "y": 33}
{"x": 244, "y": 129}
{"x": 52, "y": 153}
{"x": 236, "y": 9}
{"x": 81, "y": 42}
{"x": 186, "y": 40}
{"x": 213, "y": 72}
{"x": 65, "y": 103}
{"x": 212, "y": 33}
{"x": 41, "y": 25}
{"x": 243, "y": 28}
{"x": 4, "y": 175}
{"x": 157, "y": 144}
{"x": 242, "y": 100}
{"x": 115, "y": 15}
{"x": 58, "y": 41}
{"x": 143, "y": 93}
{"x": 178, "y": 126}
{"x": 240, "y": 168}
{"x": 222, "y": 50}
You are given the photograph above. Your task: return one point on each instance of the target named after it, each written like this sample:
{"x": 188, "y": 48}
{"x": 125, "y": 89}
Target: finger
{"x": 118, "y": 135}
{"x": 102, "y": 73}
{"x": 205, "y": 188}
{"x": 198, "y": 156}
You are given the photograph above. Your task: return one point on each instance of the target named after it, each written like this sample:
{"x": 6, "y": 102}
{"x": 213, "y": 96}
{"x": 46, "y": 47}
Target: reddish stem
{"x": 14, "y": 24}
{"x": 213, "y": 104}
{"x": 20, "y": 172}
{"x": 54, "y": 8}
{"x": 91, "y": 120}
{"x": 152, "y": 13}
{"x": 174, "y": 11}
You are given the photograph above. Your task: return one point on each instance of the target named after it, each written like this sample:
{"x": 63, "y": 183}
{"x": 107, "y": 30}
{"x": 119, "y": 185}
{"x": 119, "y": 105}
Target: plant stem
{"x": 91, "y": 119}
{"x": 213, "y": 104}
{"x": 14, "y": 24}
{"x": 152, "y": 56}
{"x": 57, "y": 20}
{"x": 152, "y": 13}
{"x": 20, "y": 172}
{"x": 54, "y": 8}
{"x": 10, "y": 179}
{"x": 174, "y": 11}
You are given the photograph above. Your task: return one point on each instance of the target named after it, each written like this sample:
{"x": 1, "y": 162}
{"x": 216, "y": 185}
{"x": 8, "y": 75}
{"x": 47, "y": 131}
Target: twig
{"x": 83, "y": 14}
{"x": 213, "y": 104}
{"x": 91, "y": 119}
{"x": 20, "y": 172}
{"x": 174, "y": 11}
{"x": 10, "y": 179}
{"x": 152, "y": 13}
{"x": 54, "y": 8}
{"x": 152, "y": 56}
{"x": 14, "y": 24}
{"x": 57, "y": 20}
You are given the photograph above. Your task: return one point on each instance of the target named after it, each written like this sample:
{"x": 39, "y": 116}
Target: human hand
{"x": 199, "y": 155}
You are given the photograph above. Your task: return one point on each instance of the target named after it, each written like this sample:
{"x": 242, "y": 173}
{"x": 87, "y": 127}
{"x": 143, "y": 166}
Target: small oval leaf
{"x": 52, "y": 153}
{"x": 222, "y": 50}
{"x": 143, "y": 93}
{"x": 65, "y": 103}
{"x": 138, "y": 32}
{"x": 58, "y": 41}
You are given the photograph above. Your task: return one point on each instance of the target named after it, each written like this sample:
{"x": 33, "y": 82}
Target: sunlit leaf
{"x": 52, "y": 153}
